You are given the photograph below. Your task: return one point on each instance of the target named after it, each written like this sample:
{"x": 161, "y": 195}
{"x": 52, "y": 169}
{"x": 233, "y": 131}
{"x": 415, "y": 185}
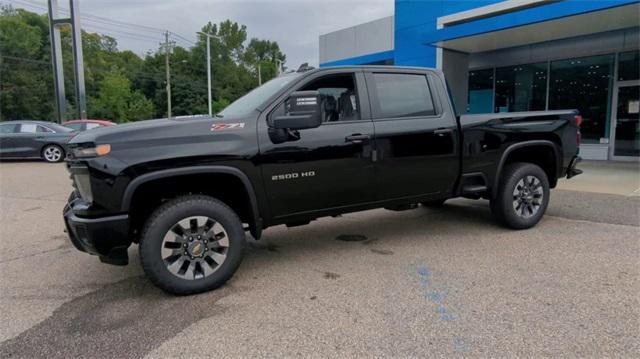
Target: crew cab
{"x": 302, "y": 146}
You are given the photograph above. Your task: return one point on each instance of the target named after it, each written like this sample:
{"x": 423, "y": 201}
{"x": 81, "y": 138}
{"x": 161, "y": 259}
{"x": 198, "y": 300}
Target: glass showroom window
{"x": 629, "y": 66}
{"x": 584, "y": 84}
{"x": 521, "y": 88}
{"x": 480, "y": 91}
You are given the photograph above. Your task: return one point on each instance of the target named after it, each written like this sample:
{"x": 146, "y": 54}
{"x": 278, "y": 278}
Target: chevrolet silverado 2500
{"x": 302, "y": 146}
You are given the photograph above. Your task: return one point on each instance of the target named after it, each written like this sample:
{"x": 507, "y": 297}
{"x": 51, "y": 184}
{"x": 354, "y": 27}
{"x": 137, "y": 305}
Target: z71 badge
{"x": 226, "y": 126}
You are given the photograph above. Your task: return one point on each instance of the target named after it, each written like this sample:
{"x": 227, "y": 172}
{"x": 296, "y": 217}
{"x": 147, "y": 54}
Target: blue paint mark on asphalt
{"x": 425, "y": 274}
{"x": 436, "y": 295}
{"x": 459, "y": 345}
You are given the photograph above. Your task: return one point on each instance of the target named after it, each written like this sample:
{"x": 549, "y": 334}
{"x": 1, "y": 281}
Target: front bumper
{"x": 106, "y": 237}
{"x": 572, "y": 171}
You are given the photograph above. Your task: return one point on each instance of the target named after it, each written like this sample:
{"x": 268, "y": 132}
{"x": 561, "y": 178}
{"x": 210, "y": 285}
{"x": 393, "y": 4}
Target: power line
{"x": 105, "y": 21}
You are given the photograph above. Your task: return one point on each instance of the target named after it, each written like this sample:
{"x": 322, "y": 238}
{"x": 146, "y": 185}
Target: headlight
{"x": 87, "y": 152}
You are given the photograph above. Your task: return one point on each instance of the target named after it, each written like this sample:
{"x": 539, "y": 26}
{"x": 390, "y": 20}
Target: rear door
{"x": 416, "y": 136}
{"x": 24, "y": 142}
{"x": 7, "y": 137}
{"x": 325, "y": 167}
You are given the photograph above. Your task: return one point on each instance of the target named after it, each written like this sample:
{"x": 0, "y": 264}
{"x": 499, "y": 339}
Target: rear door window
{"x": 28, "y": 128}
{"x": 42, "y": 129}
{"x": 91, "y": 125}
{"x": 402, "y": 95}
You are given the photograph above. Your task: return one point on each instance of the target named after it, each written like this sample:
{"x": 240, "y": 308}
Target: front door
{"x": 627, "y": 122}
{"x": 326, "y": 167}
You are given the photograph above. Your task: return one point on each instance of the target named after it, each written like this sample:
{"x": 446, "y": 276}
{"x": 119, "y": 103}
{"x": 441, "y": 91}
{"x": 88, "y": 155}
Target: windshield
{"x": 249, "y": 102}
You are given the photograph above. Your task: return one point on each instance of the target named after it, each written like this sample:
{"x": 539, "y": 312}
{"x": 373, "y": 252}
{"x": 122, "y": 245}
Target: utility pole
{"x": 259, "y": 75}
{"x": 209, "y": 36}
{"x": 278, "y": 67}
{"x": 55, "y": 23}
{"x": 167, "y": 51}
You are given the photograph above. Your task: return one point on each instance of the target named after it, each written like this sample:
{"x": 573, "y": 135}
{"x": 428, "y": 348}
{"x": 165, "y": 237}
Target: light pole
{"x": 209, "y": 36}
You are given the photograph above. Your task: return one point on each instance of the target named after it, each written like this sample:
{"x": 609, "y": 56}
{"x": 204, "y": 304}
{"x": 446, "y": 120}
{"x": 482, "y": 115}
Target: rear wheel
{"x": 52, "y": 153}
{"x": 192, "y": 244}
{"x": 522, "y": 196}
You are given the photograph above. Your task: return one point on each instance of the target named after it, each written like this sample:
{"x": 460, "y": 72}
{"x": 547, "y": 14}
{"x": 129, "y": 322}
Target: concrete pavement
{"x": 445, "y": 282}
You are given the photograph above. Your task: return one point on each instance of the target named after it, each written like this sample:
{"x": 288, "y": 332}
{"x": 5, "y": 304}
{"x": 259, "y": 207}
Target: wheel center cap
{"x": 196, "y": 248}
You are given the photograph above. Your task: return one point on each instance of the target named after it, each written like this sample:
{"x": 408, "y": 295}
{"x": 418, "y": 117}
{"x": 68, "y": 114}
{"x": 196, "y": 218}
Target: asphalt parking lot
{"x": 418, "y": 283}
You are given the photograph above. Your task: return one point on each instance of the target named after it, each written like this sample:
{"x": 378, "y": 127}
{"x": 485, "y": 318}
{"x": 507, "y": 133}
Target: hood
{"x": 174, "y": 128}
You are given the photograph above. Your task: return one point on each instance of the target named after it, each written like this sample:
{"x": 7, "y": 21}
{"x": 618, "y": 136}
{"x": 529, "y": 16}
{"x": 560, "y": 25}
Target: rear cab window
{"x": 400, "y": 95}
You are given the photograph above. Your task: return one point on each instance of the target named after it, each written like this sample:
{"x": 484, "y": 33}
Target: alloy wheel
{"x": 528, "y": 196}
{"x": 195, "y": 247}
{"x": 52, "y": 154}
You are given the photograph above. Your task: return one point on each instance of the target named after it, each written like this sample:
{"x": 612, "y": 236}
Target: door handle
{"x": 442, "y": 131}
{"x": 357, "y": 138}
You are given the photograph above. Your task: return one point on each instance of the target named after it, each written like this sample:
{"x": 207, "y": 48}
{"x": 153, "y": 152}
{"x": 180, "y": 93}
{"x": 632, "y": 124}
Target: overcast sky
{"x": 294, "y": 24}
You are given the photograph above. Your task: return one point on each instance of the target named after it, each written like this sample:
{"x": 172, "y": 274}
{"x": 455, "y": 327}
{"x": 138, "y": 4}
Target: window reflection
{"x": 521, "y": 88}
{"x": 629, "y": 65}
{"x": 584, "y": 84}
{"x": 480, "y": 91}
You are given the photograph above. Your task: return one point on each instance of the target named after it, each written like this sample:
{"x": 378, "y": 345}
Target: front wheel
{"x": 52, "y": 153}
{"x": 522, "y": 196}
{"x": 192, "y": 244}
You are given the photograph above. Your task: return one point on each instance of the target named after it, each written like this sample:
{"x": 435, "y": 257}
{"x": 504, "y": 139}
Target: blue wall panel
{"x": 415, "y": 18}
{"x": 537, "y": 14}
{"x": 415, "y": 25}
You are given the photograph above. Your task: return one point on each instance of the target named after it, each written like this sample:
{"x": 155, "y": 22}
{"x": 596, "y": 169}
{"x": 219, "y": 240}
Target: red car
{"x": 88, "y": 124}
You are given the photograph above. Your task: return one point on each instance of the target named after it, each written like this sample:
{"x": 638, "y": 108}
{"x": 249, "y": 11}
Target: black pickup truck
{"x": 302, "y": 146}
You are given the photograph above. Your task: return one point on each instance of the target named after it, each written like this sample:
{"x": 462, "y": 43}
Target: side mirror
{"x": 303, "y": 111}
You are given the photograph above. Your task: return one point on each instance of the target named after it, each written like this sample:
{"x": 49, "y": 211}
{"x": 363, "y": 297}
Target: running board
{"x": 474, "y": 189}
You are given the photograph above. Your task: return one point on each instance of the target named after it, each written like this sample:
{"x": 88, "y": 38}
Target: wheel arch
{"x": 253, "y": 219}
{"x": 550, "y": 164}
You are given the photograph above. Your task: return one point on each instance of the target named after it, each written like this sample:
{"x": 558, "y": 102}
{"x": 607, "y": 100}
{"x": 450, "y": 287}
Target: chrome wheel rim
{"x": 528, "y": 196}
{"x": 195, "y": 247}
{"x": 52, "y": 154}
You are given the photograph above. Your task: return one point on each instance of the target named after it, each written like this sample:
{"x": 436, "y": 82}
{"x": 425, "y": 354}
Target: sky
{"x": 294, "y": 24}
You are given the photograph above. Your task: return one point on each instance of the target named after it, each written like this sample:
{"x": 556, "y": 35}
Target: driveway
{"x": 418, "y": 283}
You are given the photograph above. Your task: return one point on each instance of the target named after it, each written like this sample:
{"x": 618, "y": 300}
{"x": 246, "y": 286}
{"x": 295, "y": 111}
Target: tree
{"x": 117, "y": 102}
{"x": 120, "y": 84}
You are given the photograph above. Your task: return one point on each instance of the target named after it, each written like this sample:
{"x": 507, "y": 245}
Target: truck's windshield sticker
{"x": 227, "y": 126}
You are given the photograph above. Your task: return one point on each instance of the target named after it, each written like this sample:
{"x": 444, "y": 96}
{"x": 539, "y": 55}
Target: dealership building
{"x": 518, "y": 55}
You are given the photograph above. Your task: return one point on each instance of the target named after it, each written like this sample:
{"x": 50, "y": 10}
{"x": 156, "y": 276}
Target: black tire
{"x": 519, "y": 211}
{"x": 52, "y": 153}
{"x": 438, "y": 203}
{"x": 163, "y": 219}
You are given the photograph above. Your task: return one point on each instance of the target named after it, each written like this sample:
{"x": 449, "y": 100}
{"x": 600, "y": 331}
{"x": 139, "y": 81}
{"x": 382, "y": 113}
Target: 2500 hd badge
{"x": 187, "y": 190}
{"x": 290, "y": 176}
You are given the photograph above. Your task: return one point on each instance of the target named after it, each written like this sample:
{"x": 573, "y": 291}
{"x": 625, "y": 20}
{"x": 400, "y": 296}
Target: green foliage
{"x": 122, "y": 86}
{"x": 116, "y": 100}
